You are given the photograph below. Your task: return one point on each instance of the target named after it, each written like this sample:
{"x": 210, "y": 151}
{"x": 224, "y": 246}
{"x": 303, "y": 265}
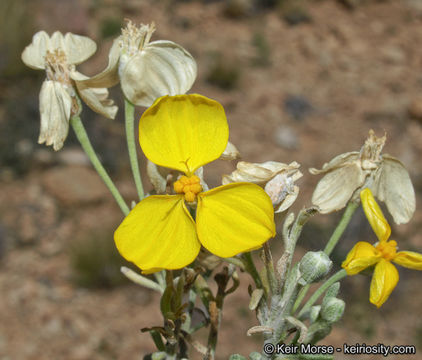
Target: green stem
{"x": 251, "y": 269}
{"x": 332, "y": 242}
{"x": 158, "y": 341}
{"x": 82, "y": 136}
{"x": 345, "y": 219}
{"x": 130, "y": 138}
{"x": 300, "y": 297}
{"x": 269, "y": 265}
{"x": 141, "y": 280}
{"x": 336, "y": 277}
{"x": 292, "y": 236}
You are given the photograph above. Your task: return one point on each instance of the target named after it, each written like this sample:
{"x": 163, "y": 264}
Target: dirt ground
{"x": 303, "y": 92}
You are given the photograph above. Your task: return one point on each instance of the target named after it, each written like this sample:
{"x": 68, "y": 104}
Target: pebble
{"x": 73, "y": 185}
{"x": 298, "y": 106}
{"x": 415, "y": 108}
{"x": 393, "y": 55}
{"x": 73, "y": 156}
{"x": 286, "y": 137}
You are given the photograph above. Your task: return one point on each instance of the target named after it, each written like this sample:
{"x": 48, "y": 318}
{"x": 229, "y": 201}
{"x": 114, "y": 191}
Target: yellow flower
{"x": 185, "y": 132}
{"x": 364, "y": 255}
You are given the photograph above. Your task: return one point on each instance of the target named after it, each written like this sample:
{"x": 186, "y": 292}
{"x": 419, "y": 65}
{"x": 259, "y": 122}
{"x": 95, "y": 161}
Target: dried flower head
{"x": 348, "y": 173}
{"x": 58, "y": 55}
{"x": 146, "y": 70}
{"x": 276, "y": 178}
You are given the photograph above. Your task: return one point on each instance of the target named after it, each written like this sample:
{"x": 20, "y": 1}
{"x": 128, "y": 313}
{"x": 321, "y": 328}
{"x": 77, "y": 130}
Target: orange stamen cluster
{"x": 388, "y": 249}
{"x": 190, "y": 186}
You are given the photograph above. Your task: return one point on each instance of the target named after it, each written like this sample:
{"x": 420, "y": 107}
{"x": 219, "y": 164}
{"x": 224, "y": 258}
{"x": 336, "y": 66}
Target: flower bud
{"x": 318, "y": 331}
{"x": 255, "y": 356}
{"x": 158, "y": 356}
{"x": 332, "y": 310}
{"x": 314, "y": 313}
{"x": 237, "y": 357}
{"x": 332, "y": 291}
{"x": 314, "y": 266}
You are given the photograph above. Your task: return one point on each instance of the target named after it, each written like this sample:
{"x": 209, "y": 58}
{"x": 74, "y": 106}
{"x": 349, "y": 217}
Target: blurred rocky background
{"x": 300, "y": 80}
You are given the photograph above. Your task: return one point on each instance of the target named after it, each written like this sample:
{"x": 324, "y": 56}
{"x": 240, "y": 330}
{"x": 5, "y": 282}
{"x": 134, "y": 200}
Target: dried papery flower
{"x": 146, "y": 70}
{"x": 58, "y": 55}
{"x": 276, "y": 178}
{"x": 230, "y": 152}
{"x": 348, "y": 173}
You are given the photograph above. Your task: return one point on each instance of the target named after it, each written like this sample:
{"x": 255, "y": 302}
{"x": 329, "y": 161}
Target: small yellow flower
{"x": 364, "y": 255}
{"x": 185, "y": 132}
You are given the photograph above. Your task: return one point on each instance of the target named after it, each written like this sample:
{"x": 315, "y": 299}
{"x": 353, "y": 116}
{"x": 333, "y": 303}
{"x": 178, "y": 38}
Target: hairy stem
{"x": 336, "y": 277}
{"x": 269, "y": 266}
{"x": 82, "y": 136}
{"x": 344, "y": 221}
{"x": 251, "y": 269}
{"x": 332, "y": 242}
{"x": 141, "y": 280}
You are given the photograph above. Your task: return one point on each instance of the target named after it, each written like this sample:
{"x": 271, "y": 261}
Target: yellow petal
{"x": 374, "y": 215}
{"x": 183, "y": 132}
{"x": 383, "y": 282}
{"x": 234, "y": 218}
{"x": 158, "y": 234}
{"x": 361, "y": 256}
{"x": 409, "y": 259}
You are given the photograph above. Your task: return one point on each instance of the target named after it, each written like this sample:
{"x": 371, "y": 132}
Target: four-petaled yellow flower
{"x": 183, "y": 133}
{"x": 364, "y": 255}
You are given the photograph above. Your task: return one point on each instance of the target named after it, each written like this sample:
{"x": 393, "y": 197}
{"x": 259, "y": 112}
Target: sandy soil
{"x": 315, "y": 93}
